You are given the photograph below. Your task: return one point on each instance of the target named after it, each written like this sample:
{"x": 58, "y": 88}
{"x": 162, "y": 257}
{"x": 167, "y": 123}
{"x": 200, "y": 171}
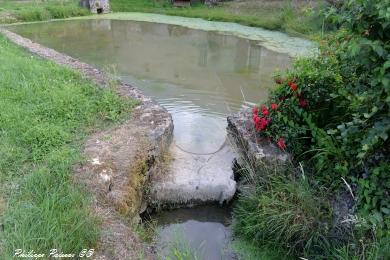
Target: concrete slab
{"x": 194, "y": 179}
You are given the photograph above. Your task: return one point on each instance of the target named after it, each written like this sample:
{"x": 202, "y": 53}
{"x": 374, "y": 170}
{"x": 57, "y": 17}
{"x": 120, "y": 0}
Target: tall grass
{"x": 247, "y": 250}
{"x": 285, "y": 211}
{"x": 46, "y": 112}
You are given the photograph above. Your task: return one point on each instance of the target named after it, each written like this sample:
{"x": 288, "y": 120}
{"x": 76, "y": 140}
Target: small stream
{"x": 199, "y": 77}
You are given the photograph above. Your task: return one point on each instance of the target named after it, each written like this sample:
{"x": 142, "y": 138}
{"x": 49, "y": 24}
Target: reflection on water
{"x": 201, "y": 64}
{"x": 198, "y": 76}
{"x": 204, "y": 231}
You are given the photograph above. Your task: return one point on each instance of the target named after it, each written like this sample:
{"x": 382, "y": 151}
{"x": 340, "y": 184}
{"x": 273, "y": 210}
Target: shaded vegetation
{"x": 46, "y": 112}
{"x": 286, "y": 212}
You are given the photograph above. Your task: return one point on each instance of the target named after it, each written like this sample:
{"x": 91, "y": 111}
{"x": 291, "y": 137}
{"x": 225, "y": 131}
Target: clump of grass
{"x": 146, "y": 230}
{"x": 286, "y": 211}
{"x": 46, "y": 112}
{"x": 179, "y": 249}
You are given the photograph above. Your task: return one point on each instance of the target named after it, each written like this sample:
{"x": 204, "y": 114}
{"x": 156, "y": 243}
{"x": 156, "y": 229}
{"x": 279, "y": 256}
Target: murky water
{"x": 201, "y": 232}
{"x": 199, "y": 76}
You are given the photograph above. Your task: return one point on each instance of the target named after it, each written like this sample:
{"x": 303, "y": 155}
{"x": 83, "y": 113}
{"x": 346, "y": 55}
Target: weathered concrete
{"x": 193, "y": 179}
{"x": 254, "y": 151}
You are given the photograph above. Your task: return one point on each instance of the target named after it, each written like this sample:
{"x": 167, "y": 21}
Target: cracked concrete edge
{"x": 254, "y": 152}
{"x": 159, "y": 133}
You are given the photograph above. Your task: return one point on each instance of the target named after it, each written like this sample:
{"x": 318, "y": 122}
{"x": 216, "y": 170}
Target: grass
{"x": 179, "y": 249}
{"x": 281, "y": 15}
{"x": 46, "y": 113}
{"x": 146, "y": 230}
{"x": 246, "y": 250}
{"x": 27, "y": 11}
{"x": 286, "y": 212}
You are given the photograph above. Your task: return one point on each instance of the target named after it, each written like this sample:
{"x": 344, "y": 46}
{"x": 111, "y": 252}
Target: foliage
{"x": 285, "y": 211}
{"x": 247, "y": 250}
{"x": 46, "y": 111}
{"x": 364, "y": 242}
{"x": 333, "y": 111}
{"x": 179, "y": 249}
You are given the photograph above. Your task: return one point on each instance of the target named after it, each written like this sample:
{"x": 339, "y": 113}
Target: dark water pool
{"x": 201, "y": 232}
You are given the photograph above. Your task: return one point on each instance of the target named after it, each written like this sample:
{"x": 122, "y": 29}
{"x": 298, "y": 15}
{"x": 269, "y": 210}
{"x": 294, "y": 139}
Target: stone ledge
{"x": 252, "y": 149}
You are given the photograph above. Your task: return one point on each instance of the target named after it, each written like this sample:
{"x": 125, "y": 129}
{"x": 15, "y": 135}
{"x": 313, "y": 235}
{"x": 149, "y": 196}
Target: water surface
{"x": 203, "y": 232}
{"x": 198, "y": 76}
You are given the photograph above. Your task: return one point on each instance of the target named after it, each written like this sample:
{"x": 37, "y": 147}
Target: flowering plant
{"x": 272, "y": 118}
{"x": 332, "y": 111}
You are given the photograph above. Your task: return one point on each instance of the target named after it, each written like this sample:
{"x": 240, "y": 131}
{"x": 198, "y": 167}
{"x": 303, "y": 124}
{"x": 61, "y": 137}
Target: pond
{"x": 198, "y": 76}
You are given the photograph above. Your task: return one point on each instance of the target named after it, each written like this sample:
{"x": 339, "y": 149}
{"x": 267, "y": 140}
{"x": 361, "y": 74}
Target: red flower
{"x": 264, "y": 110}
{"x": 293, "y": 86}
{"x": 255, "y": 110}
{"x": 274, "y": 106}
{"x": 261, "y": 123}
{"x": 281, "y": 143}
{"x": 302, "y": 102}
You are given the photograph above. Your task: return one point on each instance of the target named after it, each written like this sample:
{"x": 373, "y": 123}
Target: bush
{"x": 332, "y": 111}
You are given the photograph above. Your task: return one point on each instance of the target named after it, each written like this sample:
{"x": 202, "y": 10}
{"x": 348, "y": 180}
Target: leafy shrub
{"x": 333, "y": 111}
